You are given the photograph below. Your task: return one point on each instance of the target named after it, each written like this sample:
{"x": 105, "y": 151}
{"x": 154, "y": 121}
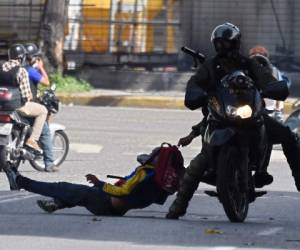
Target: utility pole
{"x": 52, "y": 33}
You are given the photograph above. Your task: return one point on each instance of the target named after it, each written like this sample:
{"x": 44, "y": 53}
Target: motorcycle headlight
{"x": 243, "y": 112}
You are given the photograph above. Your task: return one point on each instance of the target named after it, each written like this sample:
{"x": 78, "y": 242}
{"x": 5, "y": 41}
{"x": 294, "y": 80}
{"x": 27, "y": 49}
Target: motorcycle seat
{"x": 22, "y": 119}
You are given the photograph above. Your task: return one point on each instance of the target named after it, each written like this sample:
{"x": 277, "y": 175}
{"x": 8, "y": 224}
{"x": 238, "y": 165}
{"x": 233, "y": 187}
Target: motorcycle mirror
{"x": 53, "y": 87}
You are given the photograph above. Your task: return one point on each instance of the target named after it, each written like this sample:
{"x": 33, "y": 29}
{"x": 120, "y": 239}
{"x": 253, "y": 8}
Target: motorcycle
{"x": 15, "y": 129}
{"x": 293, "y": 120}
{"x": 236, "y": 134}
{"x": 236, "y": 142}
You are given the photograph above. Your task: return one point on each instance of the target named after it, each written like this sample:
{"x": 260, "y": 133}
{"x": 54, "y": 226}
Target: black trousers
{"x": 71, "y": 195}
{"x": 280, "y": 134}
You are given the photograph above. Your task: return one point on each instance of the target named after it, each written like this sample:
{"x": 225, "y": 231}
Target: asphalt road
{"x": 106, "y": 141}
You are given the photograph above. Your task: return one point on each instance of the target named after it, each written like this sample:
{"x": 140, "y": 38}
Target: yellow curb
{"x": 138, "y": 101}
{"x": 125, "y": 101}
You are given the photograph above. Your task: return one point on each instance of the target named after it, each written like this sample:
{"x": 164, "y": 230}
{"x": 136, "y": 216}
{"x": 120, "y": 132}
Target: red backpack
{"x": 169, "y": 167}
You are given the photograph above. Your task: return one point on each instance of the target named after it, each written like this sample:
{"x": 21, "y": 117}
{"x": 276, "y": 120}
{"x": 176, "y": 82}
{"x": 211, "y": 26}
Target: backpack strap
{"x": 15, "y": 72}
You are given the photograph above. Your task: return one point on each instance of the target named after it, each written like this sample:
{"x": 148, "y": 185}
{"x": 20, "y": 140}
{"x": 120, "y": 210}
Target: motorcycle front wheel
{"x": 234, "y": 200}
{"x": 60, "y": 151}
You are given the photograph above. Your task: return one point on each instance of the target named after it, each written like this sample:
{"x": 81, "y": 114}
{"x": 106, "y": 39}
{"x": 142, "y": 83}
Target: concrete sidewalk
{"x": 141, "y": 98}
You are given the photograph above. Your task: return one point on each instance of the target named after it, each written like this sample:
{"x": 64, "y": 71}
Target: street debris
{"x": 213, "y": 231}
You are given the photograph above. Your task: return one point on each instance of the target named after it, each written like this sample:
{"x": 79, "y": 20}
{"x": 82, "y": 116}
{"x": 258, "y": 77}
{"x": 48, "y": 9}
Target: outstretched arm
{"x": 90, "y": 178}
{"x": 185, "y": 141}
{"x": 196, "y": 131}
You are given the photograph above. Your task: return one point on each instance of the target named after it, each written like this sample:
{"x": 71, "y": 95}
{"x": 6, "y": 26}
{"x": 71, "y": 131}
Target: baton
{"x": 115, "y": 177}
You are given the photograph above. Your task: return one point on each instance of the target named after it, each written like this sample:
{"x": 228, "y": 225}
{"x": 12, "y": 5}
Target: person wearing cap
{"x": 135, "y": 191}
{"x": 38, "y": 75}
{"x": 262, "y": 53}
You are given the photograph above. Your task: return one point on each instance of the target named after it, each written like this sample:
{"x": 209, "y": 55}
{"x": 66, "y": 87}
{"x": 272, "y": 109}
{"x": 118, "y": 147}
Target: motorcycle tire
{"x": 3, "y": 160}
{"x": 39, "y": 165}
{"x": 235, "y": 201}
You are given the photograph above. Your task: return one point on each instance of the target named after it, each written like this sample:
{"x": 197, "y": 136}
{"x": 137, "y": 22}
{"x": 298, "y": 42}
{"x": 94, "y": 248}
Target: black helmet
{"x": 226, "y": 39}
{"x": 32, "y": 50}
{"x": 17, "y": 52}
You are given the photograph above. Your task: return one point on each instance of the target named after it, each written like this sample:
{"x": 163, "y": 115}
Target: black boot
{"x": 188, "y": 186}
{"x": 262, "y": 179}
{"x": 186, "y": 190}
{"x": 49, "y": 206}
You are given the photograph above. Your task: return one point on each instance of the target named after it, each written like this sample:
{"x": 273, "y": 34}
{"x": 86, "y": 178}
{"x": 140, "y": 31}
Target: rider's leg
{"x": 280, "y": 133}
{"x": 39, "y": 112}
{"x": 188, "y": 186}
{"x": 261, "y": 176}
{"x": 46, "y": 143}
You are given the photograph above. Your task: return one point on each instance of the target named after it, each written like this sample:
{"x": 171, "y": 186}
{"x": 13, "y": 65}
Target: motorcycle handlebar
{"x": 195, "y": 54}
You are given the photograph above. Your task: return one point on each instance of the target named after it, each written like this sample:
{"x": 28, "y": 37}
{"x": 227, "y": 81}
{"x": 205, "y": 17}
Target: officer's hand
{"x": 185, "y": 140}
{"x": 92, "y": 179}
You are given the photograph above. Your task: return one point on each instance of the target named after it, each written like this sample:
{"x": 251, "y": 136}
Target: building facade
{"x": 141, "y": 32}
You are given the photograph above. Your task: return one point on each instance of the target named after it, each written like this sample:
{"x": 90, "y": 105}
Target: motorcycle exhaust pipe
{"x": 26, "y": 154}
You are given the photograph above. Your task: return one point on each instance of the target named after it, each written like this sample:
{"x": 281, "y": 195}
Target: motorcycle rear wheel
{"x": 4, "y": 157}
{"x": 235, "y": 201}
{"x": 60, "y": 151}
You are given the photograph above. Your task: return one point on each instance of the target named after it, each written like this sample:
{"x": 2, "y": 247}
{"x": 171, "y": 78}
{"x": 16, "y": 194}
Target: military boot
{"x": 186, "y": 190}
{"x": 188, "y": 186}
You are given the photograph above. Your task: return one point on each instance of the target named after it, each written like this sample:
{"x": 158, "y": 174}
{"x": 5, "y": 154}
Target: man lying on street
{"x": 137, "y": 190}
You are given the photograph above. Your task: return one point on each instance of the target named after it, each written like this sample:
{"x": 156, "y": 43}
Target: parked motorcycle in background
{"x": 293, "y": 120}
{"x": 15, "y": 129}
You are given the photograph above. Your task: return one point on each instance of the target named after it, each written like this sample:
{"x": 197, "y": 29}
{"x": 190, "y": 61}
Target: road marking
{"x": 131, "y": 153}
{"x": 86, "y": 148}
{"x": 270, "y": 231}
{"x": 16, "y": 198}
